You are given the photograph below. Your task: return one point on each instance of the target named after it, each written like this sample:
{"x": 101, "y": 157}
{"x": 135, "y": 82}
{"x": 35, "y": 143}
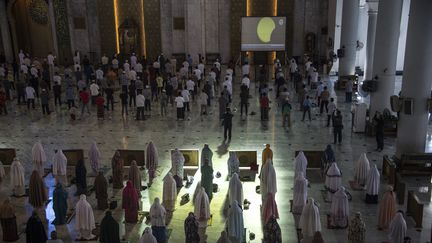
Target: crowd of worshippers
{"x": 309, "y": 224}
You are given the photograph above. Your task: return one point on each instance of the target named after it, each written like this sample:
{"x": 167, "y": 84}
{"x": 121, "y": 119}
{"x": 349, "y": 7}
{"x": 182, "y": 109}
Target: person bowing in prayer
{"x": 207, "y": 178}
{"x": 84, "y": 219}
{"x": 60, "y": 167}
{"x": 191, "y": 229}
{"x": 235, "y": 224}
{"x": 109, "y": 229}
{"x": 206, "y": 153}
{"x": 101, "y": 189}
{"x": 147, "y": 236}
{"x": 35, "y": 230}
{"x": 157, "y": 220}
{"x": 130, "y": 203}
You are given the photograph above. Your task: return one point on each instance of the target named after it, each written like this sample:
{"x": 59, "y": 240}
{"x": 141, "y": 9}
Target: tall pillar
{"x": 370, "y": 42}
{"x": 412, "y": 129}
{"x": 53, "y": 27}
{"x": 385, "y": 53}
{"x": 350, "y": 13}
{"x": 5, "y": 32}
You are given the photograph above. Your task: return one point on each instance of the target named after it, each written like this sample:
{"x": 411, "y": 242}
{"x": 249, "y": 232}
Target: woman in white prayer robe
{"x": 38, "y": 158}
{"x": 340, "y": 209}
{"x": 233, "y": 163}
{"x": 268, "y": 181}
{"x": 169, "y": 192}
{"x": 361, "y": 170}
{"x": 177, "y": 163}
{"x": 398, "y": 228}
{"x": 94, "y": 157}
{"x": 235, "y": 224}
{"x": 310, "y": 220}
{"x": 157, "y": 220}
{"x": 202, "y": 208}
{"x": 333, "y": 180}
{"x": 60, "y": 167}
{"x": 372, "y": 185}
{"x": 85, "y": 221}
{"x": 300, "y": 164}
{"x": 147, "y": 236}
{"x": 17, "y": 178}
{"x": 300, "y": 193}
{"x": 235, "y": 189}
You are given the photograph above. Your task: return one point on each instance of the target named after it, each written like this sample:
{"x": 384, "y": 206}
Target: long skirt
{"x": 159, "y": 232}
{"x": 131, "y": 216}
{"x": 10, "y": 232}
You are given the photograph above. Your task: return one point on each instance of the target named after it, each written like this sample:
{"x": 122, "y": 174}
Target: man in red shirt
{"x": 85, "y": 98}
{"x": 264, "y": 103}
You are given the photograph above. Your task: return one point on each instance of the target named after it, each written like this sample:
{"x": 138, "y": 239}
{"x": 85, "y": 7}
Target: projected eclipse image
{"x": 263, "y": 33}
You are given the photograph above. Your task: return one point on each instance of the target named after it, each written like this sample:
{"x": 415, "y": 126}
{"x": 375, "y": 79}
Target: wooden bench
{"x": 400, "y": 189}
{"x": 248, "y": 164}
{"x": 7, "y": 156}
{"x": 128, "y": 155}
{"x": 314, "y": 158}
{"x": 415, "y": 209}
{"x": 416, "y": 164}
{"x": 389, "y": 170}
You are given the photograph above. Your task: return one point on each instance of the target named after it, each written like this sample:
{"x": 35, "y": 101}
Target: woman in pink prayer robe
{"x": 130, "y": 203}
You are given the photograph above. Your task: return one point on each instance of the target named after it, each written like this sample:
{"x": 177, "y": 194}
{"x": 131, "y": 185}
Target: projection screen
{"x": 263, "y": 33}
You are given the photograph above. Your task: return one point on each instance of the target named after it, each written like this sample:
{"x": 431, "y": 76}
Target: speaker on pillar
{"x": 340, "y": 53}
{"x": 408, "y": 106}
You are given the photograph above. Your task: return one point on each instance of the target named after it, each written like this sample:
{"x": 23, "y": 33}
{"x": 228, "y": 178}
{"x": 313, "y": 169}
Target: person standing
{"x": 60, "y": 207}
{"x": 306, "y": 108}
{"x": 244, "y": 97}
{"x": 57, "y": 93}
{"x": 324, "y": 100}
{"x": 94, "y": 91}
{"x": 207, "y": 178}
{"x": 123, "y": 100}
{"x": 348, "y": 91}
{"x": 265, "y": 105}
{"x": 163, "y": 103}
{"x": 186, "y": 97}
{"x": 148, "y": 96}
{"x": 140, "y": 103}
{"x": 379, "y": 130}
{"x": 286, "y": 113}
{"x": 100, "y": 105}
{"x": 85, "y": 98}
{"x": 8, "y": 221}
{"x": 101, "y": 191}
{"x": 44, "y": 97}
{"x": 30, "y": 96}
{"x": 70, "y": 96}
{"x": 109, "y": 92}
{"x": 179, "y": 100}
{"x": 132, "y": 94}
{"x": 203, "y": 98}
{"x": 130, "y": 203}
{"x": 337, "y": 127}
{"x": 331, "y": 108}
{"x": 35, "y": 230}
{"x": 109, "y": 229}
{"x": 227, "y": 123}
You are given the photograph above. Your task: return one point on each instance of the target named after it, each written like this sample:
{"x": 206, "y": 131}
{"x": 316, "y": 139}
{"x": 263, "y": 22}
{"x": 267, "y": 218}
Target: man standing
{"x": 57, "y": 93}
{"x": 30, "y": 96}
{"x": 325, "y": 95}
{"x": 140, "y": 103}
{"x": 85, "y": 98}
{"x": 123, "y": 99}
{"x": 331, "y": 108}
{"x": 244, "y": 96}
{"x": 94, "y": 90}
{"x": 337, "y": 127}
{"x": 348, "y": 91}
{"x": 179, "y": 100}
{"x": 227, "y": 123}
{"x": 109, "y": 92}
{"x": 379, "y": 129}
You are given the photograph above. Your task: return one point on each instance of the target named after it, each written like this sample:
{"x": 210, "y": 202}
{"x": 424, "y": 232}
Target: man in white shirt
{"x": 197, "y": 74}
{"x": 140, "y": 102}
{"x": 126, "y": 66}
{"x": 57, "y": 78}
{"x": 24, "y": 69}
{"x": 34, "y": 72}
{"x": 99, "y": 74}
{"x": 139, "y": 69}
{"x": 104, "y": 60}
{"x": 217, "y": 64}
{"x": 201, "y": 67}
{"x": 133, "y": 59}
{"x": 132, "y": 75}
{"x": 246, "y": 81}
{"x": 180, "y": 106}
{"x": 94, "y": 91}
{"x": 115, "y": 63}
{"x": 331, "y": 109}
{"x": 184, "y": 71}
{"x": 186, "y": 65}
{"x": 186, "y": 97}
{"x": 245, "y": 69}
{"x": 228, "y": 84}
{"x": 30, "y": 96}
{"x": 190, "y": 86}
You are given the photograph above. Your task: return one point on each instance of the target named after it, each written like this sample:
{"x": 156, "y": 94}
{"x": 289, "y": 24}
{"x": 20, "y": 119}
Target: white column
{"x": 5, "y": 32}
{"x": 385, "y": 53}
{"x": 53, "y": 27}
{"x": 350, "y": 13}
{"x": 412, "y": 129}
{"x": 370, "y": 43}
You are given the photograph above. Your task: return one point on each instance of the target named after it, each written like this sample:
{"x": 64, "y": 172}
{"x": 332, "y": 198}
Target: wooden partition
{"x": 73, "y": 156}
{"x": 415, "y": 209}
{"x": 416, "y": 164}
{"x": 192, "y": 161}
{"x": 128, "y": 155}
{"x": 389, "y": 170}
{"x": 313, "y": 158}
{"x": 248, "y": 159}
{"x": 7, "y": 155}
{"x": 400, "y": 188}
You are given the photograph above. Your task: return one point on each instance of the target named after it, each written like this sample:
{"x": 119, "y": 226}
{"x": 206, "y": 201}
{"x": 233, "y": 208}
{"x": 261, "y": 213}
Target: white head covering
{"x": 177, "y": 163}
{"x": 398, "y": 228}
{"x": 84, "y": 215}
{"x": 361, "y": 169}
{"x": 147, "y": 236}
{"x": 373, "y": 181}
{"x": 333, "y": 178}
{"x": 300, "y": 192}
{"x": 94, "y": 157}
{"x": 17, "y": 174}
{"x": 202, "y": 205}
{"x": 38, "y": 157}
{"x": 2, "y": 172}
{"x": 59, "y": 163}
{"x": 300, "y": 164}
{"x": 235, "y": 190}
{"x": 233, "y": 163}
{"x": 169, "y": 188}
{"x": 235, "y": 224}
{"x": 310, "y": 219}
{"x": 157, "y": 213}
{"x": 268, "y": 180}
{"x": 340, "y": 207}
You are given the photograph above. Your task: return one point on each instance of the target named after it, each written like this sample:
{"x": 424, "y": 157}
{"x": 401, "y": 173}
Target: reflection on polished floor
{"x": 21, "y": 129}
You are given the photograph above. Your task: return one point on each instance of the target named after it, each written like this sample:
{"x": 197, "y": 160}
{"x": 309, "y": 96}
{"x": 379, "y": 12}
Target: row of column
{"x": 5, "y": 33}
{"x": 384, "y": 20}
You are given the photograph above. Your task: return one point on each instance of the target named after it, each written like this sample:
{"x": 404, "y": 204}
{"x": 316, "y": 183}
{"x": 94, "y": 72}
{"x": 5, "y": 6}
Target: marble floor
{"x": 20, "y": 129}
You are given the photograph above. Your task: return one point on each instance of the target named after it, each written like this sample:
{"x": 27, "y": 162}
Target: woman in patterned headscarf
{"x": 117, "y": 170}
{"x": 356, "y": 229}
